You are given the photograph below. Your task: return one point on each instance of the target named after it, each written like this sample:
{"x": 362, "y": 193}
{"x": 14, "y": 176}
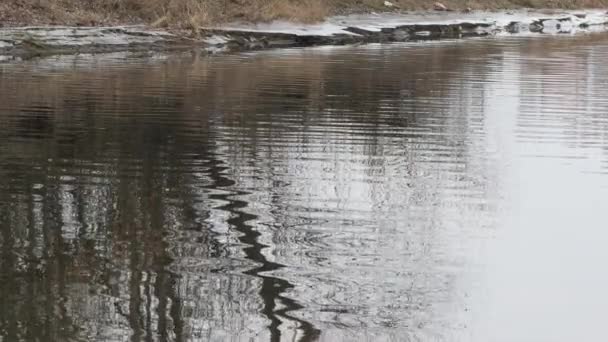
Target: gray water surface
{"x": 451, "y": 191}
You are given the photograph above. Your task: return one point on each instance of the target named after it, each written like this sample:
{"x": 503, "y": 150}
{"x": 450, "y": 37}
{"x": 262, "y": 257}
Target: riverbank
{"x": 28, "y": 42}
{"x": 191, "y": 14}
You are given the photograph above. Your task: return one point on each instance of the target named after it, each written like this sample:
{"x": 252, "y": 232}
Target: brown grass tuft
{"x": 304, "y": 11}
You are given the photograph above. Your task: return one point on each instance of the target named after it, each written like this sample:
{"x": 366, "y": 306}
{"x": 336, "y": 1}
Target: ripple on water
{"x": 361, "y": 193}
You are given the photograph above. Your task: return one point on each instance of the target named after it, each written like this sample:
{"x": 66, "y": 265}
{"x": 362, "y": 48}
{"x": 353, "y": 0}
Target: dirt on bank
{"x": 194, "y": 13}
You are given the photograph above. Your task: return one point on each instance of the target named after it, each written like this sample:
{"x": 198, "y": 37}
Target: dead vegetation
{"x": 195, "y": 13}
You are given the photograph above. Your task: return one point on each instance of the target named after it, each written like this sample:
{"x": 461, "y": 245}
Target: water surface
{"x": 451, "y": 191}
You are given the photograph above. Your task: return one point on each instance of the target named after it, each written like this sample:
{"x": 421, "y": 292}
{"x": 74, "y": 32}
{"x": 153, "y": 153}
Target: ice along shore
{"x": 30, "y": 42}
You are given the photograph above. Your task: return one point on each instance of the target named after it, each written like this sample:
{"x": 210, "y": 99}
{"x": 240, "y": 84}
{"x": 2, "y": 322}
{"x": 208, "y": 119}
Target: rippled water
{"x": 450, "y": 191}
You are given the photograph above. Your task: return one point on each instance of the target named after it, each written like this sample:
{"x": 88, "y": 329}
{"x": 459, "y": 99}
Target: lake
{"x": 433, "y": 191}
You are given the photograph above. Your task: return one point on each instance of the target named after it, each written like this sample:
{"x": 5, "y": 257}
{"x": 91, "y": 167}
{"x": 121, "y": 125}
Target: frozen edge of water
{"x": 27, "y": 42}
{"x": 376, "y": 22}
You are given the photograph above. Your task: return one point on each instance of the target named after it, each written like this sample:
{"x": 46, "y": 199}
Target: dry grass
{"x": 305, "y": 10}
{"x": 195, "y": 13}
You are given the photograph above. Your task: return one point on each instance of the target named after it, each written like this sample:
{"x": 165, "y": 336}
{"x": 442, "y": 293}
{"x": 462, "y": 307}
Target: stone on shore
{"x": 438, "y": 6}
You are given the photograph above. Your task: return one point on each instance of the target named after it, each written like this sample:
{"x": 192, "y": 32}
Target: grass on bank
{"x": 195, "y": 13}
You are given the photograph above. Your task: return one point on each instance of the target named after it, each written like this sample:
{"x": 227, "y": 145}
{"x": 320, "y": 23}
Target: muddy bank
{"x": 28, "y": 42}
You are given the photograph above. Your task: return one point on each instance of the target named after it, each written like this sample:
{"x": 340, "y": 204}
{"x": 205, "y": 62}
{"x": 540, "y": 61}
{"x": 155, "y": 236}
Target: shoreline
{"x": 23, "y": 43}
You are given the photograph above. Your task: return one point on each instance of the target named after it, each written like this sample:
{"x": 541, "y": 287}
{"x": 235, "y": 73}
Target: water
{"x": 449, "y": 191}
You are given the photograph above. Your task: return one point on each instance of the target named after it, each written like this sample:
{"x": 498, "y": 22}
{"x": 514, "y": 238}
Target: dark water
{"x": 448, "y": 191}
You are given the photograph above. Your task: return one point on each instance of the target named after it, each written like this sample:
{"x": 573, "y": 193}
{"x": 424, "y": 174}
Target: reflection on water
{"x": 424, "y": 192}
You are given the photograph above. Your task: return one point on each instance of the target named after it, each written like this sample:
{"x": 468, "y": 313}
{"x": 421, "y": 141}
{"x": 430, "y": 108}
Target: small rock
{"x": 468, "y": 10}
{"x": 580, "y": 15}
{"x": 438, "y": 6}
{"x": 389, "y": 4}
